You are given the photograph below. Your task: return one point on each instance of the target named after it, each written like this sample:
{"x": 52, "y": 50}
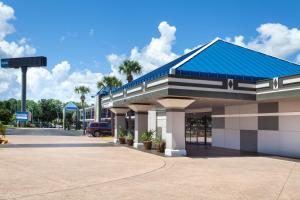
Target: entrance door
{"x": 198, "y": 128}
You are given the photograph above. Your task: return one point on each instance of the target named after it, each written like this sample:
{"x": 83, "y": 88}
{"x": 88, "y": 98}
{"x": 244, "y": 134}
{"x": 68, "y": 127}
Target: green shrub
{"x": 2, "y": 129}
{"x": 147, "y": 135}
{"x": 121, "y": 133}
{"x": 129, "y": 136}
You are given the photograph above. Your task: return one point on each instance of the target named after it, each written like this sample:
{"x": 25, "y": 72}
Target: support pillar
{"x": 175, "y": 119}
{"x": 120, "y": 120}
{"x": 140, "y": 126}
{"x": 23, "y": 98}
{"x": 140, "y": 121}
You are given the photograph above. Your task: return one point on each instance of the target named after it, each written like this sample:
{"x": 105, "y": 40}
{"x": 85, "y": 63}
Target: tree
{"x": 109, "y": 82}
{"x": 130, "y": 67}
{"x": 49, "y": 109}
{"x": 82, "y": 90}
{"x": 5, "y": 116}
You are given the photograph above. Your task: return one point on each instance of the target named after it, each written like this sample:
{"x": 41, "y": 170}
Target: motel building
{"x": 221, "y": 95}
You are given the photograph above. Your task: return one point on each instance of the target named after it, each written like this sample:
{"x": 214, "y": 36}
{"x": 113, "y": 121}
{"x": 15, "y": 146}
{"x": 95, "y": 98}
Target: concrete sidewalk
{"x": 66, "y": 167}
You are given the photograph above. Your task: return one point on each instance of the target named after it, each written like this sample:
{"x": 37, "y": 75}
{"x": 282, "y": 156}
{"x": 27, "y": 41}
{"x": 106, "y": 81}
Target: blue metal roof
{"x": 71, "y": 106}
{"x": 159, "y": 72}
{"x": 103, "y": 91}
{"x": 223, "y": 59}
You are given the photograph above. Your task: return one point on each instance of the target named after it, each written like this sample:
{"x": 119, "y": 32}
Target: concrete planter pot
{"x": 122, "y": 140}
{"x": 130, "y": 142}
{"x": 147, "y": 145}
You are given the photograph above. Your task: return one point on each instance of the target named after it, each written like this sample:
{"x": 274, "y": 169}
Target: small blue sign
{"x": 71, "y": 106}
{"x": 22, "y": 116}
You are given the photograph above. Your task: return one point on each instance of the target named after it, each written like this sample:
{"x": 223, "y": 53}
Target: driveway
{"x": 79, "y": 167}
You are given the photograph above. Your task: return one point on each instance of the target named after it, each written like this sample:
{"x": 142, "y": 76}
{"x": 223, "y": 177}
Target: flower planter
{"x": 3, "y": 141}
{"x": 161, "y": 147}
{"x": 130, "y": 142}
{"x": 147, "y": 145}
{"x": 122, "y": 140}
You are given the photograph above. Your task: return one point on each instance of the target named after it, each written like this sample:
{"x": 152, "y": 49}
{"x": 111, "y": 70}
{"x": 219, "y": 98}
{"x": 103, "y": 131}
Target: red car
{"x": 97, "y": 129}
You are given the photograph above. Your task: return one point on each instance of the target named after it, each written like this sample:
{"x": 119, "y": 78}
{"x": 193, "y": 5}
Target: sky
{"x": 85, "y": 40}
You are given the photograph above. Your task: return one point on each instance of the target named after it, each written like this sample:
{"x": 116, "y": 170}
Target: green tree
{"x": 82, "y": 90}
{"x": 109, "y": 82}
{"x": 50, "y": 109}
{"x": 130, "y": 67}
{"x": 5, "y": 116}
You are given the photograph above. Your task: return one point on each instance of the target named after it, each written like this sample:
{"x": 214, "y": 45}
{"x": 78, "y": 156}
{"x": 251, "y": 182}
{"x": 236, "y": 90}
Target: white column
{"x": 175, "y": 119}
{"x": 151, "y": 120}
{"x": 175, "y": 137}
{"x": 140, "y": 121}
{"x": 120, "y": 120}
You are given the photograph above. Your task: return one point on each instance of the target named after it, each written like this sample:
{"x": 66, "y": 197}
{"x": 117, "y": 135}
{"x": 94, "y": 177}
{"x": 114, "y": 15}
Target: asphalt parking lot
{"x": 47, "y": 166}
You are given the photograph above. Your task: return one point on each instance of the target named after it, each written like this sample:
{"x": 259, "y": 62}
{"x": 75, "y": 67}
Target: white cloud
{"x": 11, "y": 49}
{"x": 274, "y": 39}
{"x": 58, "y": 83}
{"x": 153, "y": 55}
{"x": 189, "y": 50}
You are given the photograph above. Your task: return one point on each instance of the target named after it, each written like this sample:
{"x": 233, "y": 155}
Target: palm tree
{"x": 130, "y": 67}
{"x": 109, "y": 82}
{"x": 82, "y": 90}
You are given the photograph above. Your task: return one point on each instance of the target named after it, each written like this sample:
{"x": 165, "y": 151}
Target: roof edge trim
{"x": 173, "y": 69}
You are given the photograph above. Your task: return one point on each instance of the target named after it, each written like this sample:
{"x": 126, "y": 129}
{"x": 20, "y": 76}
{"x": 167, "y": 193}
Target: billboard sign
{"x": 22, "y": 116}
{"x": 39, "y": 61}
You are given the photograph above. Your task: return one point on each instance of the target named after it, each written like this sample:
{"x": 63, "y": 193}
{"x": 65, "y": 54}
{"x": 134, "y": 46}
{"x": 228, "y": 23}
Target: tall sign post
{"x": 24, "y": 63}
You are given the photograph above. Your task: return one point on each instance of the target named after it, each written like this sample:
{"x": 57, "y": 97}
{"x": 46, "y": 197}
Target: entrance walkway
{"x": 72, "y": 167}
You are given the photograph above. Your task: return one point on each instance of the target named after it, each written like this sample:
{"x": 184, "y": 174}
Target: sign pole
{"x": 23, "y": 101}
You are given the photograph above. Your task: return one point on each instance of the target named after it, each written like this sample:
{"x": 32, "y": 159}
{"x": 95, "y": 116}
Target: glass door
{"x": 198, "y": 128}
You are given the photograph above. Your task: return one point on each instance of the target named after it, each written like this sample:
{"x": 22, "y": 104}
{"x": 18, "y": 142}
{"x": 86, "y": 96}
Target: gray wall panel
{"x": 248, "y": 140}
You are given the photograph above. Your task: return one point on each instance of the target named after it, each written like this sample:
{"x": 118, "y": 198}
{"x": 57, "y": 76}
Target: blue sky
{"x": 120, "y": 25}
{"x": 85, "y": 33}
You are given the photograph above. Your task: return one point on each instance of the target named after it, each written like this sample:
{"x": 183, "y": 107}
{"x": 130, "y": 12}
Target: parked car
{"x": 97, "y": 129}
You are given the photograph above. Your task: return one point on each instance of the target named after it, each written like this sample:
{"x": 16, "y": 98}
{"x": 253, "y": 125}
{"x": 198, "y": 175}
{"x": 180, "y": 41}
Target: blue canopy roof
{"x": 71, "y": 106}
{"x": 222, "y": 59}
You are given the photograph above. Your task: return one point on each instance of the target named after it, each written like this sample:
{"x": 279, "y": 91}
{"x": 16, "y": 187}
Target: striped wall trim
{"x": 134, "y": 90}
{"x": 196, "y": 81}
{"x": 152, "y": 84}
{"x": 262, "y": 85}
{"x": 246, "y": 85}
{"x": 106, "y": 98}
{"x": 290, "y": 81}
{"x": 210, "y": 89}
{"x": 279, "y": 90}
{"x": 259, "y": 114}
{"x": 118, "y": 95}
{"x": 136, "y": 95}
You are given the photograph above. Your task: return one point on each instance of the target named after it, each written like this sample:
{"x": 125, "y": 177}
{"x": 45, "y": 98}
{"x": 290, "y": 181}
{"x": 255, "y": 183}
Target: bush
{"x": 2, "y": 130}
{"x": 129, "y": 136}
{"x": 147, "y": 136}
{"x": 121, "y": 133}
